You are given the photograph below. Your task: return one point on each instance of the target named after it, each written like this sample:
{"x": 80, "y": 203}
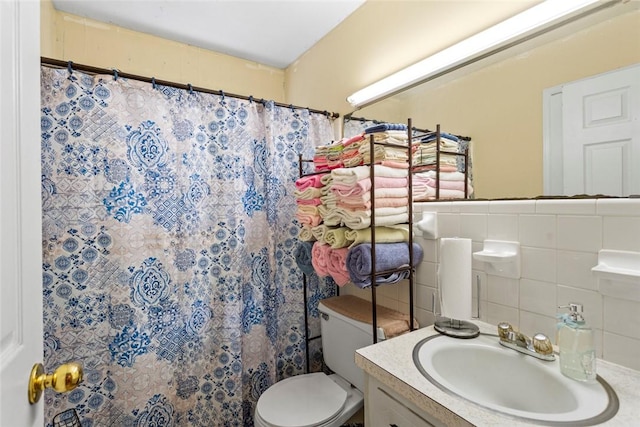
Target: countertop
{"x": 391, "y": 362}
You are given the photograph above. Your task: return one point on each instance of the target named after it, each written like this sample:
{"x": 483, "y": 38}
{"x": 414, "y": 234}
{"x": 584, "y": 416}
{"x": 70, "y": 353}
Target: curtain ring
{"x": 291, "y": 107}
{"x": 115, "y": 74}
{"x": 222, "y": 95}
{"x": 190, "y": 88}
{"x": 70, "y": 67}
{"x": 153, "y": 83}
{"x": 251, "y": 99}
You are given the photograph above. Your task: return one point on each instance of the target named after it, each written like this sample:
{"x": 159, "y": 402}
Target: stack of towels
{"x": 451, "y": 180}
{"x": 328, "y": 157}
{"x": 387, "y": 133}
{"x": 307, "y": 193}
{"x": 351, "y": 189}
{"x": 335, "y": 210}
{"x": 354, "y": 151}
{"x": 451, "y": 186}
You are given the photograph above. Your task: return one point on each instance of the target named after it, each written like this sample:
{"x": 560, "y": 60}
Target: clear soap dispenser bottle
{"x": 576, "y": 344}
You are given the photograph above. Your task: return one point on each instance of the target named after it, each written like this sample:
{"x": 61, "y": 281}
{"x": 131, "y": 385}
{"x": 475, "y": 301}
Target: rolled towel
{"x": 320, "y": 258}
{"x": 389, "y": 256}
{"x": 337, "y": 266}
{"x": 335, "y": 237}
{"x": 306, "y": 234}
{"x": 303, "y": 257}
{"x": 319, "y": 232}
{"x": 381, "y": 127}
{"x": 433, "y": 135}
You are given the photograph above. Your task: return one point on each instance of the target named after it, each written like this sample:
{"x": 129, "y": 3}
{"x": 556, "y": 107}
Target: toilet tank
{"x": 341, "y": 337}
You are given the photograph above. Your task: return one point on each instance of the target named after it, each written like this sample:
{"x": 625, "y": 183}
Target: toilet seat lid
{"x": 302, "y": 401}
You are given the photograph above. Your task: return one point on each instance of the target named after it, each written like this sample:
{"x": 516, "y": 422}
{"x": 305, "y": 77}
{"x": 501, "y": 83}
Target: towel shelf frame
{"x": 411, "y": 269}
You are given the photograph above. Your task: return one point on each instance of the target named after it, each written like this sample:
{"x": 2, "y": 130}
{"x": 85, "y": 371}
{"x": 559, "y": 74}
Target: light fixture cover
{"x": 545, "y": 13}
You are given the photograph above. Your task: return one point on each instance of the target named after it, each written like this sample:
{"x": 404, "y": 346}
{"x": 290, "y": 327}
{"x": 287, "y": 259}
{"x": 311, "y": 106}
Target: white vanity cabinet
{"x": 385, "y": 408}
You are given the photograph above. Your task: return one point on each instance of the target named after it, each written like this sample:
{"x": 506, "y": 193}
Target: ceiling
{"x": 271, "y": 32}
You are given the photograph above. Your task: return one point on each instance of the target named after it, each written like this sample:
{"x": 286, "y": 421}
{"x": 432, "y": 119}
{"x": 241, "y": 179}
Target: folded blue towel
{"x": 303, "y": 257}
{"x": 389, "y": 256}
{"x": 432, "y": 137}
{"x": 382, "y": 127}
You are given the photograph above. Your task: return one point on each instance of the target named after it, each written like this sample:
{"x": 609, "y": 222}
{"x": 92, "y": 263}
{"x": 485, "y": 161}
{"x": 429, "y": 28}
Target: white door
{"x": 601, "y": 134}
{"x": 20, "y": 211}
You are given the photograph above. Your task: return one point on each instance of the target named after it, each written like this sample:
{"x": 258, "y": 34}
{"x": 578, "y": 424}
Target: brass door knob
{"x": 65, "y": 378}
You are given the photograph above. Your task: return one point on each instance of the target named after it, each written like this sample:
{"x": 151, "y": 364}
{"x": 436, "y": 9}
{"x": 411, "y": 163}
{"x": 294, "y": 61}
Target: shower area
{"x": 168, "y": 249}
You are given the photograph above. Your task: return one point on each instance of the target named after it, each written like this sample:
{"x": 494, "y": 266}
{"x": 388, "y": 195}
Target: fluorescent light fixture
{"x": 505, "y": 32}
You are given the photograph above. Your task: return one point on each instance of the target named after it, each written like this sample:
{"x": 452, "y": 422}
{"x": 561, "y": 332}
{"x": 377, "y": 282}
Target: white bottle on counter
{"x": 576, "y": 344}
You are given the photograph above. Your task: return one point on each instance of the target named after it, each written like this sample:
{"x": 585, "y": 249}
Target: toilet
{"x": 318, "y": 399}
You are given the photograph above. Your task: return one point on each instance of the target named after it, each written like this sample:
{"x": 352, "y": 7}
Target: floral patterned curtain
{"x": 168, "y": 241}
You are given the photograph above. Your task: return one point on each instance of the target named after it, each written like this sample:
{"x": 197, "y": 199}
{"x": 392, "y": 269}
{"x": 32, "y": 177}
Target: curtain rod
{"x": 116, "y": 73}
{"x": 363, "y": 119}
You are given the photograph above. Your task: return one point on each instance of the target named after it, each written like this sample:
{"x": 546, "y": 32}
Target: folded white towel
{"x": 326, "y": 179}
{"x": 359, "y": 223}
{"x": 429, "y": 193}
{"x": 307, "y": 193}
{"x": 445, "y": 176}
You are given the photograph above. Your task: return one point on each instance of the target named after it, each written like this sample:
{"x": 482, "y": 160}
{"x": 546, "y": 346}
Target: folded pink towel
{"x": 350, "y": 176}
{"x": 449, "y": 185}
{"x": 308, "y": 218}
{"x": 443, "y": 168}
{"x": 337, "y": 266}
{"x": 364, "y": 185}
{"x": 309, "y": 181}
{"x": 381, "y": 193}
{"x": 395, "y": 164}
{"x": 320, "y": 258}
{"x": 352, "y": 140}
{"x": 313, "y": 202}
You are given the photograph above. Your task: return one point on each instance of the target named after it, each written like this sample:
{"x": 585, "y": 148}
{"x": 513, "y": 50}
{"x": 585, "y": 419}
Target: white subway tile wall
{"x": 559, "y": 241}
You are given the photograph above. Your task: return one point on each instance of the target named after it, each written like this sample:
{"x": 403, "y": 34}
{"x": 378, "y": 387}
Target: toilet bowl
{"x": 318, "y": 399}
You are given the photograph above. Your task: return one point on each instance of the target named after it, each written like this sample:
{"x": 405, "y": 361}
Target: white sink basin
{"x": 482, "y": 371}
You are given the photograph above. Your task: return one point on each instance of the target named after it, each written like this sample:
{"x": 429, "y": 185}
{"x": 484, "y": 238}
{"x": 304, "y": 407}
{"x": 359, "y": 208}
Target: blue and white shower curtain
{"x": 168, "y": 241}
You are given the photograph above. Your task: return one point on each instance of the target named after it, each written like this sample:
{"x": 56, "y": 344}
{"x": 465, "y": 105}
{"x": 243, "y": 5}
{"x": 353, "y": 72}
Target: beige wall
{"x": 501, "y": 106}
{"x": 381, "y": 37}
{"x": 84, "y": 41}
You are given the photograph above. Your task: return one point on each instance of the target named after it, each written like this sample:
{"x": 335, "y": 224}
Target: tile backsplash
{"x": 559, "y": 242}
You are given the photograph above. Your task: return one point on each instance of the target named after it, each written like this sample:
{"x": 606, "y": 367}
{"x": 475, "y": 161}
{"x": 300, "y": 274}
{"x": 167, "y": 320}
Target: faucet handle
{"x": 504, "y": 329}
{"x": 542, "y": 344}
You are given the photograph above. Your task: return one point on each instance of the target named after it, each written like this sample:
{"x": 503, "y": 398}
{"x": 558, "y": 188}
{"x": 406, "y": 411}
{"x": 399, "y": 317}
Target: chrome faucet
{"x": 539, "y": 346}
